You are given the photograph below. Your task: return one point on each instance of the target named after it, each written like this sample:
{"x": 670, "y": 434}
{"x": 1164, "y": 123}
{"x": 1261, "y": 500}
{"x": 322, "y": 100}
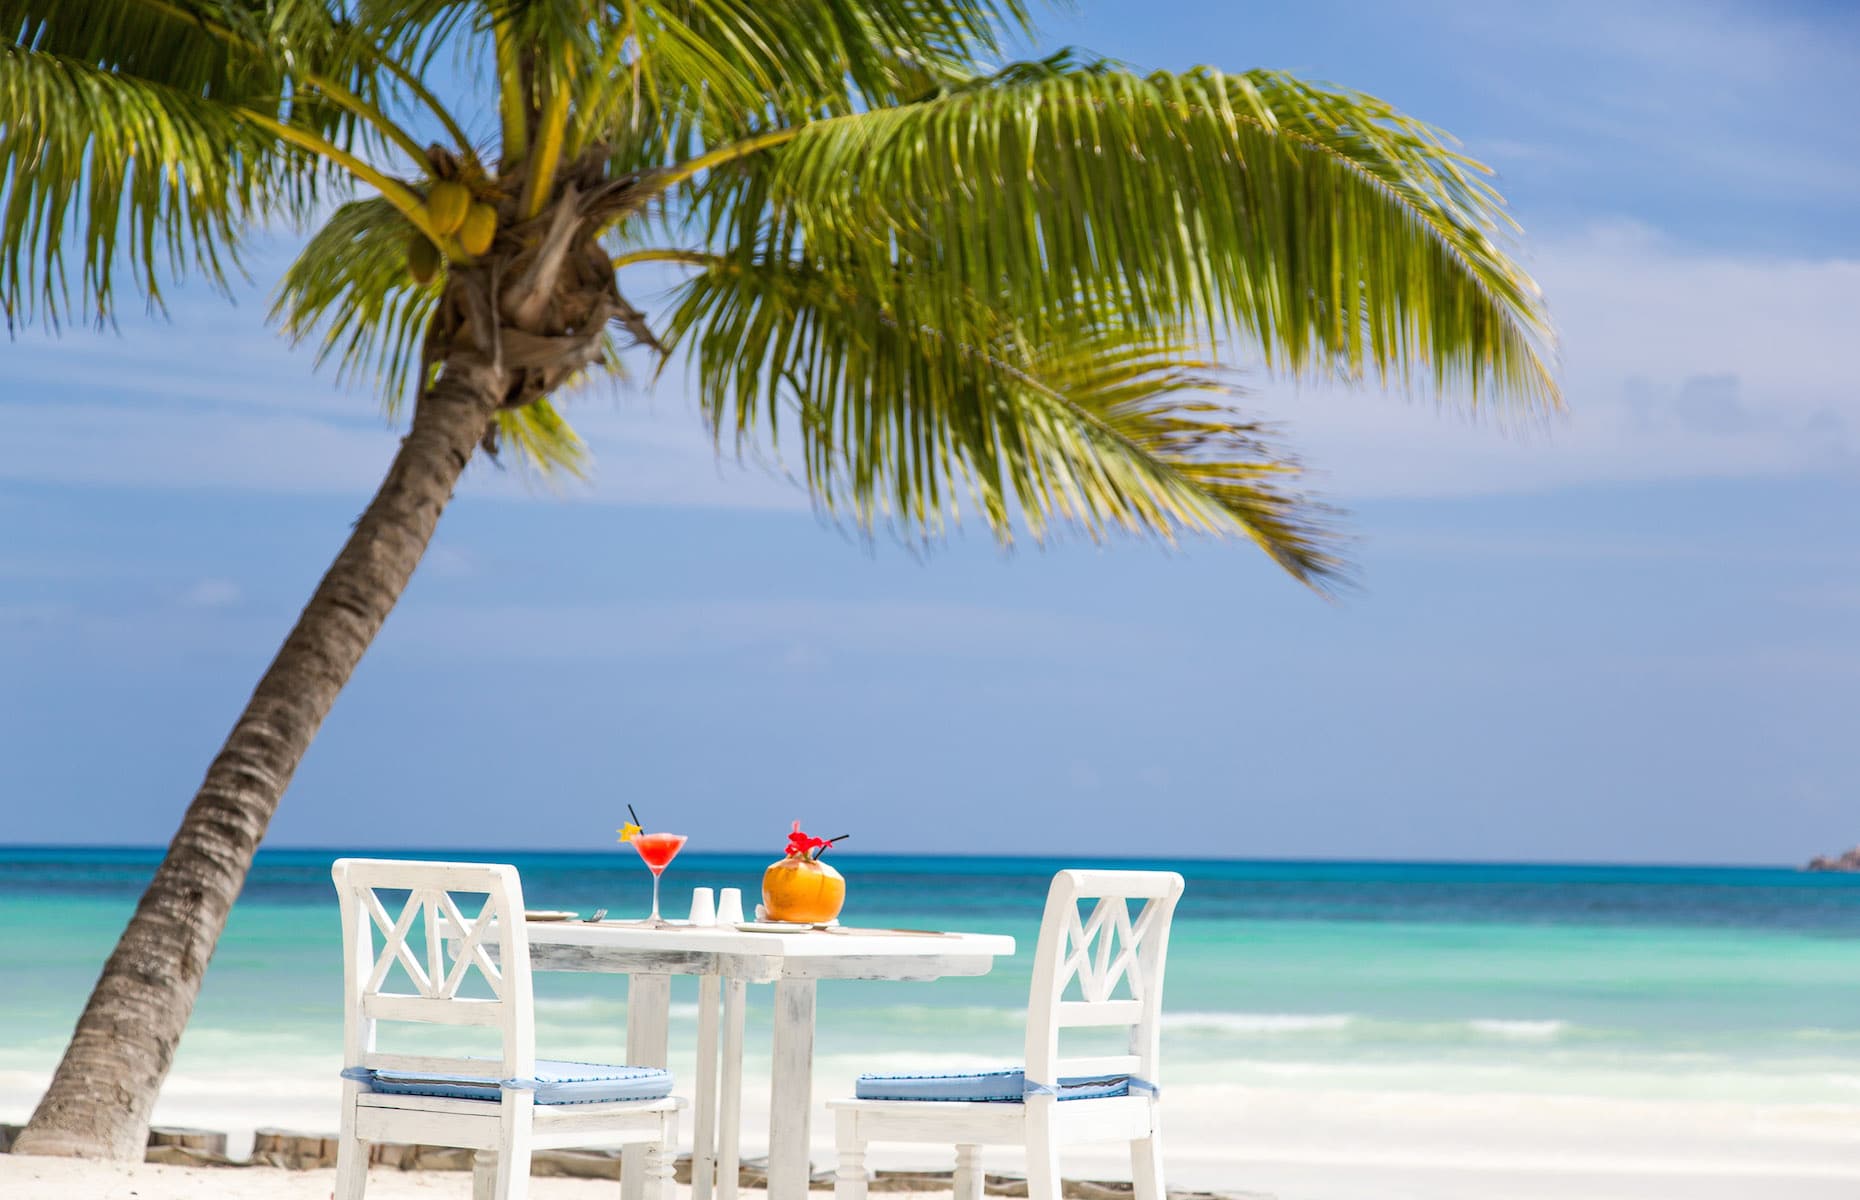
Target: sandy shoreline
{"x": 1282, "y": 1156}
{"x": 1281, "y": 1143}
{"x": 65, "y": 1179}
{"x": 24, "y": 1178}
{"x": 1297, "y": 1143}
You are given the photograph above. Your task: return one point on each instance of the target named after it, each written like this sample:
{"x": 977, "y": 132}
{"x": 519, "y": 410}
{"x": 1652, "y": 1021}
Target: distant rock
{"x": 1849, "y": 861}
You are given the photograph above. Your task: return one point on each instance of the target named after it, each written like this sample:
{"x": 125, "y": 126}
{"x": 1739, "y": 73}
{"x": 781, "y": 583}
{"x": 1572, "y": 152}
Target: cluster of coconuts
{"x": 453, "y": 210}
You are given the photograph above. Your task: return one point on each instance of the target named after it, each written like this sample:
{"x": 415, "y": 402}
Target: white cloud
{"x": 1676, "y": 364}
{"x": 1679, "y": 364}
{"x": 1716, "y": 46}
{"x": 1744, "y": 97}
{"x": 212, "y": 593}
{"x": 1740, "y": 548}
{"x": 213, "y": 397}
{"x": 642, "y": 456}
{"x": 448, "y": 562}
{"x": 128, "y": 445}
{"x": 792, "y": 636}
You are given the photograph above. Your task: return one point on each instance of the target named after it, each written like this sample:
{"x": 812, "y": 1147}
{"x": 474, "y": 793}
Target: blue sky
{"x": 1630, "y": 634}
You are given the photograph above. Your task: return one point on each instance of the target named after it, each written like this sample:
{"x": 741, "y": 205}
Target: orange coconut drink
{"x": 800, "y": 888}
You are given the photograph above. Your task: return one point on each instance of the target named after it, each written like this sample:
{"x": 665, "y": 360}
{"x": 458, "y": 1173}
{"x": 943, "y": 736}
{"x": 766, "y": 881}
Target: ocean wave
{"x": 577, "y": 1005}
{"x": 937, "y": 1016}
{"x": 1817, "y": 1034}
{"x": 1358, "y": 1027}
{"x": 1259, "y": 1023}
{"x": 1519, "y": 1031}
{"x": 588, "y": 1006}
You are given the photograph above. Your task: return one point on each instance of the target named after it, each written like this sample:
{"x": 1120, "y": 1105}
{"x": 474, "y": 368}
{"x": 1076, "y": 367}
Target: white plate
{"x": 548, "y": 914}
{"x": 781, "y": 926}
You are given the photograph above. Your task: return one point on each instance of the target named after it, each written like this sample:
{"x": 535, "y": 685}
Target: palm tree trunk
{"x": 100, "y": 1098}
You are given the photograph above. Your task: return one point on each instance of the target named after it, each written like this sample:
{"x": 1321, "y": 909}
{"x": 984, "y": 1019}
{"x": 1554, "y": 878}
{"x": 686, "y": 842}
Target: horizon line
{"x": 1313, "y": 860}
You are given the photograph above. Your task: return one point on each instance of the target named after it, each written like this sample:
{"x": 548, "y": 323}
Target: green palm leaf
{"x": 1338, "y": 236}
{"x": 997, "y": 288}
{"x": 543, "y": 440}
{"x": 713, "y": 70}
{"x": 351, "y": 290}
{"x": 92, "y": 157}
{"x": 900, "y": 420}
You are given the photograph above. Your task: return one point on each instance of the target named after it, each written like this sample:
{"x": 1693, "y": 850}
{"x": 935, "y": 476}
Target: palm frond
{"x": 544, "y": 442}
{"x": 288, "y": 59}
{"x": 104, "y": 167}
{"x": 1083, "y": 423}
{"x": 684, "y": 76}
{"x": 412, "y": 33}
{"x": 169, "y": 43}
{"x": 1336, "y": 234}
{"x": 351, "y": 287}
{"x": 955, "y": 289}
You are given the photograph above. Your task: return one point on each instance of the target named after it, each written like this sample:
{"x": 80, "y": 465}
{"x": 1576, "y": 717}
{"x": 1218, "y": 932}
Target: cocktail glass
{"x": 657, "y": 850}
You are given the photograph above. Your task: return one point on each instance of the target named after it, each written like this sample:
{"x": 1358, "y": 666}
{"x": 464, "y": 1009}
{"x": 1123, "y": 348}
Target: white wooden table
{"x": 726, "y": 960}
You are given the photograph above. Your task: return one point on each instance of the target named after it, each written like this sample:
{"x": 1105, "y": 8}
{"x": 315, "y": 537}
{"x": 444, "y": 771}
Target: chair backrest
{"x": 1102, "y": 969}
{"x": 438, "y": 946}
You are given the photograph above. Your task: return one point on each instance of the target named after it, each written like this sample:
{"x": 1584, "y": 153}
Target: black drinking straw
{"x": 634, "y": 815}
{"x": 829, "y": 845}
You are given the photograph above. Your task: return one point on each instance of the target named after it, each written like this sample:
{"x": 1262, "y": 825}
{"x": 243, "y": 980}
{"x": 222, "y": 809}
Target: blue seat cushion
{"x": 998, "y": 1087}
{"x": 555, "y": 1083}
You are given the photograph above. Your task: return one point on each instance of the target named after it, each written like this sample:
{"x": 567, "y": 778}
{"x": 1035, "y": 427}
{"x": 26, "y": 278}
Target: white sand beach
{"x": 1387, "y": 1176}
{"x": 65, "y": 1179}
{"x": 1285, "y": 1143}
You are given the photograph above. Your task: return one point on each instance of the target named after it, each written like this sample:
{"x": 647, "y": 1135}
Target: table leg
{"x": 791, "y": 1096}
{"x": 704, "y": 1121}
{"x": 648, "y": 1016}
{"x": 730, "y": 1114}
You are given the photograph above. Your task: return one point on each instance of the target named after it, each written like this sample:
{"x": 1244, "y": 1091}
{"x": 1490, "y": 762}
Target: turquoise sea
{"x": 1737, "y": 988}
{"x": 1660, "y": 977}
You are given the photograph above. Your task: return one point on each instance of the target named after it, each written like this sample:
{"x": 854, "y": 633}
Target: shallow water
{"x": 1741, "y": 982}
{"x": 1728, "y": 986}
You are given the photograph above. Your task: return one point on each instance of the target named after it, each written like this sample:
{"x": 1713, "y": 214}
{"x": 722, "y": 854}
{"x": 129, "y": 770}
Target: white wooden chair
{"x": 504, "y": 1108}
{"x": 1113, "y": 964}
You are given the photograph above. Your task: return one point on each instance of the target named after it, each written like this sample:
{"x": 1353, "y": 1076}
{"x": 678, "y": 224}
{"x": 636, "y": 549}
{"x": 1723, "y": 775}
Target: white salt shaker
{"x": 730, "y": 907}
{"x": 703, "y": 907}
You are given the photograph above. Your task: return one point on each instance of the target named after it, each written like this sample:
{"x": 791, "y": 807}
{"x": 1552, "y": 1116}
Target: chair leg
{"x": 968, "y": 1172}
{"x": 484, "y": 1175}
{"x": 1146, "y": 1166}
{"x": 351, "y": 1152}
{"x": 512, "y": 1177}
{"x": 1043, "y": 1182}
{"x": 660, "y": 1162}
{"x": 512, "y": 1174}
{"x": 849, "y": 1180}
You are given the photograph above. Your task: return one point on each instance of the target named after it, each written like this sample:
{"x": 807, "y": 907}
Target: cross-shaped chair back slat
{"x": 439, "y": 948}
{"x": 1101, "y": 967}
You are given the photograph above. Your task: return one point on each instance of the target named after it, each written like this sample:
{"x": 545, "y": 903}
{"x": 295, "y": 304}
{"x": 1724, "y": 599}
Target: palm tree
{"x": 946, "y": 285}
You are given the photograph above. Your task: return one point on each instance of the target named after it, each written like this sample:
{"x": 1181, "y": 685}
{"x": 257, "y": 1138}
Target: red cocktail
{"x": 657, "y": 850}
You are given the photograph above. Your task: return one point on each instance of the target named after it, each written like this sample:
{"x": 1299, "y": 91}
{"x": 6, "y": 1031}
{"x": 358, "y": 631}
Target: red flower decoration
{"x": 803, "y": 844}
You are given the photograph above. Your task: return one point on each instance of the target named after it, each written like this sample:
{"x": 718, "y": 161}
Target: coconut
{"x": 446, "y": 204}
{"x": 422, "y": 258}
{"x": 802, "y": 889}
{"x": 479, "y": 227}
